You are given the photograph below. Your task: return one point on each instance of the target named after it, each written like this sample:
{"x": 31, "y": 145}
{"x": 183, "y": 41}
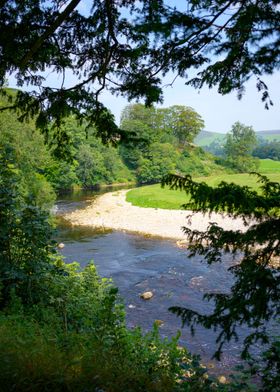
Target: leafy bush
{"x": 79, "y": 342}
{"x": 25, "y": 237}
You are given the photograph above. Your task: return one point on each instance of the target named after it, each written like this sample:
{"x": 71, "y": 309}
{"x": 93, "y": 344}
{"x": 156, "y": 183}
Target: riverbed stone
{"x": 147, "y": 295}
{"x": 182, "y": 243}
{"x": 222, "y": 379}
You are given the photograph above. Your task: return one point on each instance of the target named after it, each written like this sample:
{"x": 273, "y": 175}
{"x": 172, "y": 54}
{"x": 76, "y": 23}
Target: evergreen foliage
{"x": 125, "y": 47}
{"x": 254, "y": 296}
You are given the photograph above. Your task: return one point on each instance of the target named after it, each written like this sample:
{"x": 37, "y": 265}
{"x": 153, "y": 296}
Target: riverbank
{"x": 112, "y": 211}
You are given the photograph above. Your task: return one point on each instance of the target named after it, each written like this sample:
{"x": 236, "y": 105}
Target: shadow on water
{"x": 137, "y": 264}
{"x": 81, "y": 198}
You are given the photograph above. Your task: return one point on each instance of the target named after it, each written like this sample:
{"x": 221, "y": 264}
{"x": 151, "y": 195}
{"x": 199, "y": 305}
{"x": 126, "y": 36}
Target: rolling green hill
{"x": 205, "y": 138}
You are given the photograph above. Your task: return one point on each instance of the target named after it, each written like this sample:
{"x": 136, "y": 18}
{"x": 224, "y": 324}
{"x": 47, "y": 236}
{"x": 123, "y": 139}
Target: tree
{"x": 255, "y": 294}
{"x": 141, "y": 123}
{"x": 126, "y": 48}
{"x": 183, "y": 122}
{"x": 91, "y": 169}
{"x": 26, "y": 241}
{"x": 160, "y": 160}
{"x": 240, "y": 142}
{"x": 31, "y": 157}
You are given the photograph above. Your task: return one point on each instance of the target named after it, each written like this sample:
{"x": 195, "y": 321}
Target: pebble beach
{"x": 112, "y": 211}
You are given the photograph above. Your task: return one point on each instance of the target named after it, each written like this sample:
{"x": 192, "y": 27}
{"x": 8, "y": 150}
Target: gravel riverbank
{"x": 112, "y": 211}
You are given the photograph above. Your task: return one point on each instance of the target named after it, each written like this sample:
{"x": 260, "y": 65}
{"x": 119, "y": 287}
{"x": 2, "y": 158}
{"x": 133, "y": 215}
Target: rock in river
{"x": 147, "y": 295}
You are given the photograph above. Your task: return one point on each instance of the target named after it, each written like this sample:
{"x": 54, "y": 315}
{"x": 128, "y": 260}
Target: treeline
{"x": 159, "y": 142}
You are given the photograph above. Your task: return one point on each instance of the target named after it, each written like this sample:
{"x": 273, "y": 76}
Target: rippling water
{"x": 137, "y": 264}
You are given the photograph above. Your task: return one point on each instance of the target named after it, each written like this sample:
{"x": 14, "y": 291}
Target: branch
{"x": 59, "y": 20}
{"x": 7, "y": 108}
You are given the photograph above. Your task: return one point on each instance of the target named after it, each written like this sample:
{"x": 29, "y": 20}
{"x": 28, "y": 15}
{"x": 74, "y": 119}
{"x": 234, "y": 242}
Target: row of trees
{"x": 88, "y": 162}
{"x": 267, "y": 149}
{"x": 160, "y": 142}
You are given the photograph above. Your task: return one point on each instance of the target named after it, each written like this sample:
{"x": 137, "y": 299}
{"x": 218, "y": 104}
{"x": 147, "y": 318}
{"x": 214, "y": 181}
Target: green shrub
{"x": 79, "y": 342}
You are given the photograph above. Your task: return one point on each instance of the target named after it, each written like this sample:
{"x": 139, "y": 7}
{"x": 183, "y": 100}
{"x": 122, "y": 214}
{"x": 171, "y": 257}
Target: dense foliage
{"x": 164, "y": 144}
{"x": 126, "y": 48}
{"x": 88, "y": 162}
{"x": 254, "y": 296}
{"x": 25, "y": 237}
{"x": 154, "y": 150}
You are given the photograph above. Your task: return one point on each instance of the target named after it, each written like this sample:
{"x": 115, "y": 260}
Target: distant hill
{"x": 204, "y": 138}
{"x": 269, "y": 135}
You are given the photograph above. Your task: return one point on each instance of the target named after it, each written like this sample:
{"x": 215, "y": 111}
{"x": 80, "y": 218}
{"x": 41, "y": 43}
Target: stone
{"x": 222, "y": 379}
{"x": 61, "y": 245}
{"x": 147, "y": 295}
{"x": 182, "y": 243}
{"x": 196, "y": 281}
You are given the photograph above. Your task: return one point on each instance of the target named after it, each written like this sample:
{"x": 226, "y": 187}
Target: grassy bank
{"x": 157, "y": 197}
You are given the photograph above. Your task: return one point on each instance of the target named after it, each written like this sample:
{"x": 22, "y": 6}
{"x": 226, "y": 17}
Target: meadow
{"x": 155, "y": 196}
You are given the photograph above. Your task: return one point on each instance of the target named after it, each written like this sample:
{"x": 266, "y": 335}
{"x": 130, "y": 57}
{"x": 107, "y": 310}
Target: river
{"x": 136, "y": 264}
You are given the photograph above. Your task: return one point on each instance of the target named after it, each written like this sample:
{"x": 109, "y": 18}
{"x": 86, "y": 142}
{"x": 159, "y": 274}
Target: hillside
{"x": 205, "y": 138}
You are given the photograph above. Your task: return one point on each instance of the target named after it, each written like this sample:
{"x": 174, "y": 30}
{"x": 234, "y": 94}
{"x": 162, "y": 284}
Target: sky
{"x": 219, "y": 112}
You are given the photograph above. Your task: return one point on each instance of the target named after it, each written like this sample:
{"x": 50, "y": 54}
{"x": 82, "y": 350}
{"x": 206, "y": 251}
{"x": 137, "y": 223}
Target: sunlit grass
{"x": 269, "y": 166}
{"x": 155, "y": 196}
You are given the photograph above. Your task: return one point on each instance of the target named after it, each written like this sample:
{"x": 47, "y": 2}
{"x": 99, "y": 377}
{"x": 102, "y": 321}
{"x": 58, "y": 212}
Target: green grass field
{"x": 269, "y": 166}
{"x": 156, "y": 197}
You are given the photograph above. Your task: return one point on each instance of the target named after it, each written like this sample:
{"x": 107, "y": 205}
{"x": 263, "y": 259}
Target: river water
{"x": 136, "y": 264}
